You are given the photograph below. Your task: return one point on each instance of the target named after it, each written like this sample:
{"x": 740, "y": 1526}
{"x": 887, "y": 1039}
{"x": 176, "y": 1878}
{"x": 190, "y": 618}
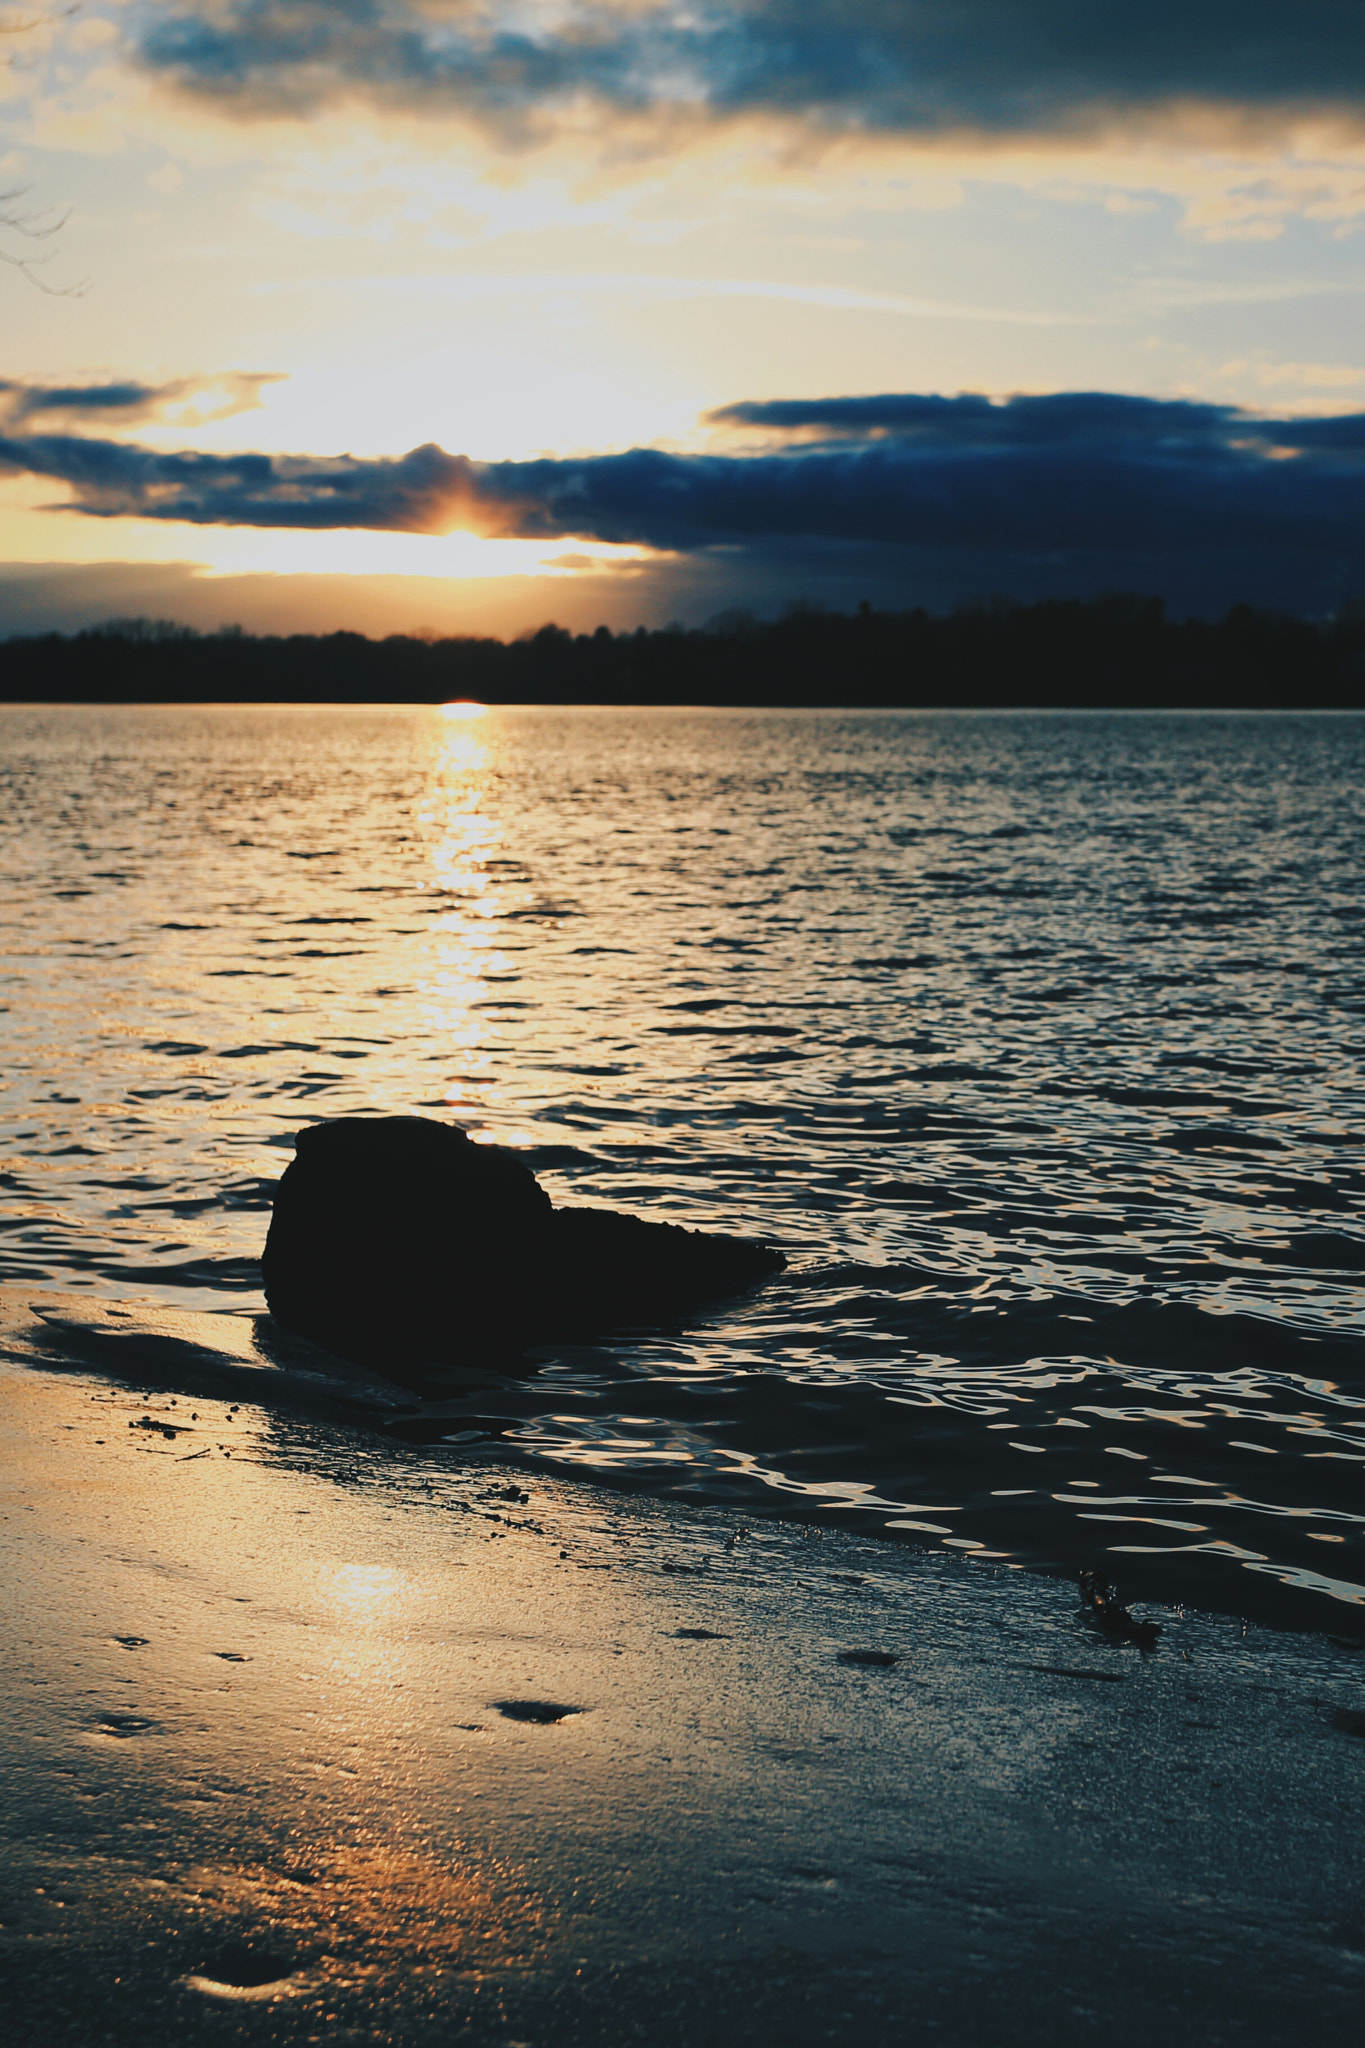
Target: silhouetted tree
{"x": 1118, "y": 651}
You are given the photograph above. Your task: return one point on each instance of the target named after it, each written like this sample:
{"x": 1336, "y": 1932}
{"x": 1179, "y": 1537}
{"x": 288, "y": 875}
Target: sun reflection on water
{"x": 463, "y": 839}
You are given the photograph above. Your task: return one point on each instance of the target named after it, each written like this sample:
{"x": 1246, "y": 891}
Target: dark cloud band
{"x": 126, "y": 400}
{"x": 426, "y": 491}
{"x": 912, "y": 66}
{"x": 1077, "y": 420}
{"x": 1071, "y": 473}
{"x": 126, "y": 403}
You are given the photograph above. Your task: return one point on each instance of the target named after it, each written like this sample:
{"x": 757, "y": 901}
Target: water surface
{"x": 1034, "y": 1040}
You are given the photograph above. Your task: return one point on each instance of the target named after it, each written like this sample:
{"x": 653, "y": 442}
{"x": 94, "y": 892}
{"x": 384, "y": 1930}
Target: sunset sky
{"x": 468, "y": 317}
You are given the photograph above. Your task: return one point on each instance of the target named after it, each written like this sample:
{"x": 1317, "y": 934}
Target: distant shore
{"x": 1113, "y": 653}
{"x": 300, "y": 1742}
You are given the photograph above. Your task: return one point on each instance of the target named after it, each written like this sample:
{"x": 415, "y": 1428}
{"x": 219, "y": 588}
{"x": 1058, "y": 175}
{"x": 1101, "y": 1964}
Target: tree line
{"x": 1115, "y": 652}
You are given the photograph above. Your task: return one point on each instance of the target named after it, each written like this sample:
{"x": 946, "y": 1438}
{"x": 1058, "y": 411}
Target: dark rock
{"x": 611, "y": 1268}
{"x": 398, "y": 1242}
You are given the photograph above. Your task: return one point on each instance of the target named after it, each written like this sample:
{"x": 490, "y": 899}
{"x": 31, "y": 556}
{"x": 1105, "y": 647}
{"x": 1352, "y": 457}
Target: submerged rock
{"x": 398, "y": 1242}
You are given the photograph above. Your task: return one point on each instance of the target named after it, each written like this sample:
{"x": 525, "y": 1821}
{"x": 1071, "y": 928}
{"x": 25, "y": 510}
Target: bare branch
{"x": 26, "y": 266}
{"x": 31, "y": 224}
{"x": 23, "y": 28}
{"x": 39, "y": 226}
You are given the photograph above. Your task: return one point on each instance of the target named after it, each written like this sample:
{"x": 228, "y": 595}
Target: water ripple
{"x": 1035, "y": 1041}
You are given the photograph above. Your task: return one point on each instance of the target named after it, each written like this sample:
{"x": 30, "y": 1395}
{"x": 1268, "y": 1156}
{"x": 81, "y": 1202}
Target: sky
{"x": 423, "y": 315}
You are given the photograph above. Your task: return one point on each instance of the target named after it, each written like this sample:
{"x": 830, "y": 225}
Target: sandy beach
{"x": 305, "y": 1740}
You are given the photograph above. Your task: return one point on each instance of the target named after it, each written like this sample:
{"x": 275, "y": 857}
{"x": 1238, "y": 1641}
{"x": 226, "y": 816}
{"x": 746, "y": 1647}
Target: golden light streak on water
{"x": 463, "y": 837}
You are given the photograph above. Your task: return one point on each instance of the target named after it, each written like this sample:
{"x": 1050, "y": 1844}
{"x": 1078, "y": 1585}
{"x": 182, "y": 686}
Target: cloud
{"x": 1076, "y": 484}
{"x": 186, "y": 402}
{"x": 1320, "y": 376}
{"x": 128, "y": 401}
{"x": 918, "y": 67}
{"x": 1101, "y": 422}
{"x": 426, "y": 491}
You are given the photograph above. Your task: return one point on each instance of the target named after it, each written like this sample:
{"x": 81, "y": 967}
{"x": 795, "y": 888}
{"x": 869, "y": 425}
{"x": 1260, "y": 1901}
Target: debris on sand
{"x": 243, "y": 1970}
{"x": 1075, "y": 1671}
{"x": 1116, "y": 1620}
{"x": 165, "y": 1429}
{"x": 542, "y": 1713}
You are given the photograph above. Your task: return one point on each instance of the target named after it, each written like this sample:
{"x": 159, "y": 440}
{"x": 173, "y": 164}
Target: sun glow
{"x": 33, "y": 528}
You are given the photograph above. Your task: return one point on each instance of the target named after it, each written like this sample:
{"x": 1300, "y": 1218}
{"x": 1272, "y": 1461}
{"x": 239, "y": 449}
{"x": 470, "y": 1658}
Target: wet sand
{"x": 306, "y": 1739}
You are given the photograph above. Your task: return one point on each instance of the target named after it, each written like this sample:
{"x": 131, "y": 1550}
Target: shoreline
{"x": 242, "y": 1354}
{"x": 278, "y": 1708}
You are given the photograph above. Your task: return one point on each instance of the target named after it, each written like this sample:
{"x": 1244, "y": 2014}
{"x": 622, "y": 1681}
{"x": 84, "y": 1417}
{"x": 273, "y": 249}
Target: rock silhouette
{"x": 399, "y": 1243}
